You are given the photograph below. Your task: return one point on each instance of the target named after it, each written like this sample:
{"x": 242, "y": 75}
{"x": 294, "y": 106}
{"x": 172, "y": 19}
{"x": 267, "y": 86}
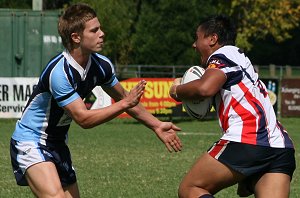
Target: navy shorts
{"x": 27, "y": 153}
{"x": 253, "y": 160}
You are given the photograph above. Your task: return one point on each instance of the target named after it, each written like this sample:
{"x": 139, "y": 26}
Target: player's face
{"x": 92, "y": 37}
{"x": 202, "y": 45}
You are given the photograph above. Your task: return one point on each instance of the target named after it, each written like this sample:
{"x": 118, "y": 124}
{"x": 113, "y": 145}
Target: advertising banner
{"x": 14, "y": 93}
{"x": 290, "y": 97}
{"x": 156, "y": 97}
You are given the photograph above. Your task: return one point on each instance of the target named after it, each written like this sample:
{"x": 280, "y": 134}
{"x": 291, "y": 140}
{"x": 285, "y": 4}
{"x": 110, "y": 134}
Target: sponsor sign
{"x": 290, "y": 97}
{"x": 14, "y": 93}
{"x": 156, "y": 97}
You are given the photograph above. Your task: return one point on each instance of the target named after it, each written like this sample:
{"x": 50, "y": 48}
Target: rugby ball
{"x": 195, "y": 108}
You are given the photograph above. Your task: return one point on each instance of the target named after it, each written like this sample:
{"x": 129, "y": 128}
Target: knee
{"x": 54, "y": 193}
{"x": 187, "y": 190}
{"x": 183, "y": 191}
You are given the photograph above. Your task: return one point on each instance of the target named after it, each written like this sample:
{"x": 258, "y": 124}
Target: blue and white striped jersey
{"x": 62, "y": 81}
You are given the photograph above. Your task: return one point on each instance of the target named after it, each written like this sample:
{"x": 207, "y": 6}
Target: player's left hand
{"x": 166, "y": 132}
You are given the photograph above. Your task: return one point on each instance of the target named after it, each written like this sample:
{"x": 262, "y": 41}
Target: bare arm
{"x": 166, "y": 131}
{"x": 209, "y": 84}
{"x": 90, "y": 118}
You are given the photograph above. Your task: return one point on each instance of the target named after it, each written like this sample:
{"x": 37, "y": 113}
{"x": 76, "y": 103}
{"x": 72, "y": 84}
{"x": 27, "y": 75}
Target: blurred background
{"x": 152, "y": 39}
{"x": 144, "y": 33}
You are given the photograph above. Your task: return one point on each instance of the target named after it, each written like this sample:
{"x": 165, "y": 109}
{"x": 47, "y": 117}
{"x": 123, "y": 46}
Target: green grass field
{"x": 122, "y": 158}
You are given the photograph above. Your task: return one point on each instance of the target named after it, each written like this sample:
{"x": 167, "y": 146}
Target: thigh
{"x": 210, "y": 175}
{"x": 44, "y": 173}
{"x": 275, "y": 185}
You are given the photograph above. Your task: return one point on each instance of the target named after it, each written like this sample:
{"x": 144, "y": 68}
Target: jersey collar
{"x": 75, "y": 65}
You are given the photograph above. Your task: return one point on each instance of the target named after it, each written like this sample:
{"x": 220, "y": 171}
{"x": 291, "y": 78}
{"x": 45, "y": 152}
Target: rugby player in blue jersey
{"x": 39, "y": 153}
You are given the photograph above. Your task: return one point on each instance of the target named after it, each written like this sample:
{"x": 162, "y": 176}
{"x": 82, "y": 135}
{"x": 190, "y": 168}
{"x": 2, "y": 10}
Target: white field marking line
{"x": 197, "y": 133}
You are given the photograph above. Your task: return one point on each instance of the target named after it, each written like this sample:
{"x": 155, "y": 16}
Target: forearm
{"x": 210, "y": 83}
{"x": 143, "y": 116}
{"x": 91, "y": 118}
{"x": 182, "y": 92}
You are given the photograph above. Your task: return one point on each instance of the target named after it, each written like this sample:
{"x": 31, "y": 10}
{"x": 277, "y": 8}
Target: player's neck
{"x": 80, "y": 57}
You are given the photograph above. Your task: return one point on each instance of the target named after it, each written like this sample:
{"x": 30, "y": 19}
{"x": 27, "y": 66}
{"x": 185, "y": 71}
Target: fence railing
{"x": 168, "y": 71}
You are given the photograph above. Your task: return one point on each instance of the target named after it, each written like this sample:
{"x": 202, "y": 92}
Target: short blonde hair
{"x": 73, "y": 21}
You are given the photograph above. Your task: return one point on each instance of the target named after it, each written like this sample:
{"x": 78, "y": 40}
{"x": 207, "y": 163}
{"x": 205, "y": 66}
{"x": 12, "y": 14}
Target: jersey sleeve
{"x": 61, "y": 88}
{"x": 107, "y": 68}
{"x": 111, "y": 82}
{"x": 231, "y": 69}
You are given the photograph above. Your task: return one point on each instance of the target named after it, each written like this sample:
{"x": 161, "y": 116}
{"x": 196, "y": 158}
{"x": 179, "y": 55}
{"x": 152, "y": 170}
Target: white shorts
{"x": 27, "y": 153}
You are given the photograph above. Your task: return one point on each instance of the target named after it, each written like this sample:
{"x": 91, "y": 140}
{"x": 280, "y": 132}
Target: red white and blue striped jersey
{"x": 244, "y": 109}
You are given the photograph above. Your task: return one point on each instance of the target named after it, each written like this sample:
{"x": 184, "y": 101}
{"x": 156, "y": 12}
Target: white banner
{"x": 97, "y": 99}
{"x": 15, "y": 92}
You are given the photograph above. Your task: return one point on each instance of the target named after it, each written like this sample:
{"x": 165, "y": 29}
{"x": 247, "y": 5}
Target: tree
{"x": 55, "y": 4}
{"x": 165, "y": 31}
{"x": 150, "y": 31}
{"x": 117, "y": 19}
{"x": 267, "y": 51}
{"x": 25, "y": 4}
{"x": 257, "y": 19}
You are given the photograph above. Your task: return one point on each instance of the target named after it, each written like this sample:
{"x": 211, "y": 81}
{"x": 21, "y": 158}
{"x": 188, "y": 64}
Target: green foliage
{"x": 117, "y": 20}
{"x": 20, "y": 4}
{"x": 165, "y": 32}
{"x": 27, "y": 4}
{"x": 258, "y": 18}
{"x": 161, "y": 32}
{"x": 150, "y": 32}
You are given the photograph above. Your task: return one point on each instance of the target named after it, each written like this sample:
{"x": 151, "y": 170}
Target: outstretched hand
{"x": 167, "y": 134}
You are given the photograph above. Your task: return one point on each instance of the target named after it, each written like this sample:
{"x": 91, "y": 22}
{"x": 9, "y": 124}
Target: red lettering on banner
{"x": 156, "y": 98}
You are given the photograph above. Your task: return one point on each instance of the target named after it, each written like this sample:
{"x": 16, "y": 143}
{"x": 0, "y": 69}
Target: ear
{"x": 76, "y": 38}
{"x": 214, "y": 39}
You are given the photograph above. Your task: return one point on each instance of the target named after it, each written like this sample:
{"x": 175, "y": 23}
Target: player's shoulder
{"x": 52, "y": 64}
{"x": 102, "y": 58}
{"x": 224, "y": 57}
{"x": 227, "y": 49}
{"x": 103, "y": 63}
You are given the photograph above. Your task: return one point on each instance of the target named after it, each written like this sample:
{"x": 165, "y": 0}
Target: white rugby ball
{"x": 195, "y": 108}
